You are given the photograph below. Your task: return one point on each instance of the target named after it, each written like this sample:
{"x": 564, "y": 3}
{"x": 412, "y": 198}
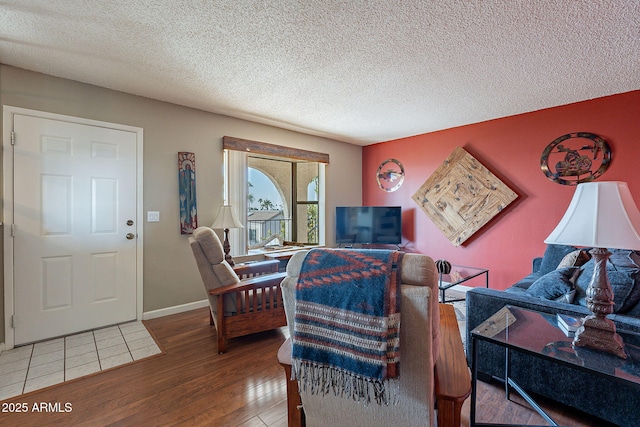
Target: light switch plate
{"x": 153, "y": 216}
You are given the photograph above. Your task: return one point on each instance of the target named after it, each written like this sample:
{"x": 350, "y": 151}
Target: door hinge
{"x": 13, "y": 138}
{"x": 13, "y": 230}
{"x": 13, "y": 321}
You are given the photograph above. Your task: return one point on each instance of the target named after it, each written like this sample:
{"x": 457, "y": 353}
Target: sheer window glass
{"x": 307, "y": 196}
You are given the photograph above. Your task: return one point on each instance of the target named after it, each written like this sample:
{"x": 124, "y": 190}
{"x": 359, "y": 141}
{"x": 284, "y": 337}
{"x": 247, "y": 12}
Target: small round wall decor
{"x": 390, "y": 175}
{"x": 575, "y": 157}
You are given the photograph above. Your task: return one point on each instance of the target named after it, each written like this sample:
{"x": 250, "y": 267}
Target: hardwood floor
{"x": 492, "y": 407}
{"x": 193, "y": 385}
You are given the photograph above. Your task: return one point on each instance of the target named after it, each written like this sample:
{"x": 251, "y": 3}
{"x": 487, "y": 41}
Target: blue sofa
{"x": 557, "y": 284}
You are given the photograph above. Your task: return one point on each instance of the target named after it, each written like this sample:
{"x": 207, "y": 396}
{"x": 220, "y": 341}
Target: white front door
{"x": 75, "y": 227}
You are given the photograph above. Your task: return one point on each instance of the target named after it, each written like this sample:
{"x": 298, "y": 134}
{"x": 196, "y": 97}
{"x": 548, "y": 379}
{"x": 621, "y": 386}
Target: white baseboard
{"x": 174, "y": 310}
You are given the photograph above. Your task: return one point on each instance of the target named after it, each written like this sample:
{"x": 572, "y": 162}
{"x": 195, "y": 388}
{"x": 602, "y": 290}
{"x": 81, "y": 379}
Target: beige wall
{"x": 170, "y": 274}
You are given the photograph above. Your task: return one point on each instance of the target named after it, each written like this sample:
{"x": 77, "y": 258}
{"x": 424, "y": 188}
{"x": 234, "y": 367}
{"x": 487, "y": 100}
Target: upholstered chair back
{"x": 419, "y": 348}
{"x": 214, "y": 270}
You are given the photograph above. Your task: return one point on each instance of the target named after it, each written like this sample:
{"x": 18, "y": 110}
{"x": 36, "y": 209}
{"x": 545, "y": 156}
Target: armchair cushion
{"x": 210, "y": 244}
{"x": 214, "y": 270}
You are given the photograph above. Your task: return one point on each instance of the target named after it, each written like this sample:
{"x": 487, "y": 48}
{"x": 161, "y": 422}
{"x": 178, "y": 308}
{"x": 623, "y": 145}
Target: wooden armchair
{"x": 237, "y": 307}
{"x": 433, "y": 368}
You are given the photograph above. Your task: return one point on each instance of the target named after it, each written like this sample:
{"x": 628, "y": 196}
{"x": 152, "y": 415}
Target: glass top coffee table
{"x": 538, "y": 334}
{"x": 458, "y": 275}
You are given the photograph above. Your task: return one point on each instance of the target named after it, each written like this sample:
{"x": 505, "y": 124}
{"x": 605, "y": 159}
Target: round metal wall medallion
{"x": 390, "y": 175}
{"x": 575, "y": 157}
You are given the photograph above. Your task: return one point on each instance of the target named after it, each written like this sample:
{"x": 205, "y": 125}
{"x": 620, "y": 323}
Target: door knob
{"x": 130, "y": 236}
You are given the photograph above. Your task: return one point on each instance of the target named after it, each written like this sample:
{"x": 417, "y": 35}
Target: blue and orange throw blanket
{"x": 347, "y": 324}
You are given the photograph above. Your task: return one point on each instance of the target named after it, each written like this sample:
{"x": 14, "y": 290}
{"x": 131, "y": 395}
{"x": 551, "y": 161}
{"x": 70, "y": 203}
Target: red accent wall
{"x": 510, "y": 148}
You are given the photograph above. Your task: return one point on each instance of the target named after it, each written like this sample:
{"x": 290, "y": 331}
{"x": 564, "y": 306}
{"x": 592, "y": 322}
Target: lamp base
{"x": 599, "y": 334}
{"x": 597, "y": 331}
{"x": 227, "y": 248}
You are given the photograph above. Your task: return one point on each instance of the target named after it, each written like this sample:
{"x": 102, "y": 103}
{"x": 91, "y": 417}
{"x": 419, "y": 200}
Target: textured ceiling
{"x": 353, "y": 70}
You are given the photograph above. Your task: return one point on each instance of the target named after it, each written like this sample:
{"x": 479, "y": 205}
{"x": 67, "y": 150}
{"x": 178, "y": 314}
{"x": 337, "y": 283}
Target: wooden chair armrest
{"x": 453, "y": 380}
{"x": 257, "y": 268}
{"x": 295, "y": 414}
{"x": 264, "y": 281}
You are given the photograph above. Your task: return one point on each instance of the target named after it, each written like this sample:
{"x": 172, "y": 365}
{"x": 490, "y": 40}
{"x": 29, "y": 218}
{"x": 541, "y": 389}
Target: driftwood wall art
{"x": 462, "y": 196}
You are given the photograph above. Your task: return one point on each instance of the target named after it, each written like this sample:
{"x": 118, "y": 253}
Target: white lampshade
{"x": 600, "y": 215}
{"x": 226, "y": 218}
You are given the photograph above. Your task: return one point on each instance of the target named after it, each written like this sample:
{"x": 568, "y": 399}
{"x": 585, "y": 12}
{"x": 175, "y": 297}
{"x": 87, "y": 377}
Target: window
{"x": 277, "y": 192}
{"x": 282, "y": 201}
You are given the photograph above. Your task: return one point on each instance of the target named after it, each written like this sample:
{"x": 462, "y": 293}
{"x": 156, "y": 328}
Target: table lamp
{"x": 601, "y": 215}
{"x": 225, "y": 220}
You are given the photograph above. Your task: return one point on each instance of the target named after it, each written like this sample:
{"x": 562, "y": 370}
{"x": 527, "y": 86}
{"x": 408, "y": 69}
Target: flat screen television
{"x": 368, "y": 225}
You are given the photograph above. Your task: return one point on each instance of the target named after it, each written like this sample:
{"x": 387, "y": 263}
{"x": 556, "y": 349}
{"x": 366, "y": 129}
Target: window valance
{"x": 256, "y": 147}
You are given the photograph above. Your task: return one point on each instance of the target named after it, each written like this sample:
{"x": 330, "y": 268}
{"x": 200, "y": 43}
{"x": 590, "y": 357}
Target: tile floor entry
{"x": 35, "y": 366}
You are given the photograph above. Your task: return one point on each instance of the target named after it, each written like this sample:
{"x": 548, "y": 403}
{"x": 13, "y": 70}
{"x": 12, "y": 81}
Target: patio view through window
{"x": 282, "y": 202}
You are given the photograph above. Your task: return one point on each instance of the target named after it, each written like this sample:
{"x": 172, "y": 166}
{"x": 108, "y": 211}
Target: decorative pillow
{"x": 568, "y": 297}
{"x": 517, "y": 290}
{"x": 555, "y": 285}
{"x": 552, "y": 257}
{"x": 576, "y": 258}
{"x": 527, "y": 281}
{"x": 634, "y": 311}
{"x": 623, "y": 271}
